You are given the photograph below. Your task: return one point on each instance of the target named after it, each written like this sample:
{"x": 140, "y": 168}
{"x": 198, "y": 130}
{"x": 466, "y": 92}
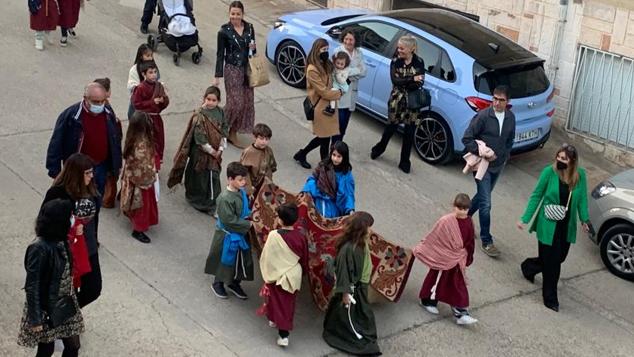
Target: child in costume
{"x": 199, "y": 155}
{"x": 230, "y": 259}
{"x": 447, "y": 250}
{"x": 258, "y": 158}
{"x": 284, "y": 259}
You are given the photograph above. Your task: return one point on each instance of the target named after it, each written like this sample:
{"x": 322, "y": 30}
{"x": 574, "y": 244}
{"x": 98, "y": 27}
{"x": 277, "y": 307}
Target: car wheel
{"x": 432, "y": 139}
{"x": 290, "y": 61}
{"x": 617, "y": 250}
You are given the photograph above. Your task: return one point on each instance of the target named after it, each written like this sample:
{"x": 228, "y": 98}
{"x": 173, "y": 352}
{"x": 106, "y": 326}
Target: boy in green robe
{"x": 230, "y": 259}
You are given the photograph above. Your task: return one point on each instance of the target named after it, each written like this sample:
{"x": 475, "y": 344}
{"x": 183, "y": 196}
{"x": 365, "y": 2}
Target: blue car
{"x": 465, "y": 62}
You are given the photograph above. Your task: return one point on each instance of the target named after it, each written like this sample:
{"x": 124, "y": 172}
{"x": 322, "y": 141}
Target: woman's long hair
{"x": 313, "y": 57}
{"x": 143, "y": 49}
{"x": 139, "y": 128}
{"x": 72, "y": 177}
{"x": 571, "y": 174}
{"x": 355, "y": 230}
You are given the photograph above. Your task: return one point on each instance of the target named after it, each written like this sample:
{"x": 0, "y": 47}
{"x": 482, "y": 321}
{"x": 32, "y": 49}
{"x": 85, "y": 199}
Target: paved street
{"x": 156, "y": 300}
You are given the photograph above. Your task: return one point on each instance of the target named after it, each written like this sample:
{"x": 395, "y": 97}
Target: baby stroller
{"x": 177, "y": 29}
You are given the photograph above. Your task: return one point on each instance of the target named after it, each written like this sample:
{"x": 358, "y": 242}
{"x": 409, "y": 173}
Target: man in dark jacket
{"x": 89, "y": 127}
{"x": 495, "y": 126}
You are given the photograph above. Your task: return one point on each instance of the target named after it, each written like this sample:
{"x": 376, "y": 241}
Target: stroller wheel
{"x": 151, "y": 41}
{"x": 196, "y": 57}
{"x": 176, "y": 59}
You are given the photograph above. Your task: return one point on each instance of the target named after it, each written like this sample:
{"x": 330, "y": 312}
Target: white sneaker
{"x": 39, "y": 44}
{"x": 63, "y": 41}
{"x": 272, "y": 324}
{"x": 282, "y": 342}
{"x": 466, "y": 320}
{"x": 429, "y": 308}
{"x": 59, "y": 346}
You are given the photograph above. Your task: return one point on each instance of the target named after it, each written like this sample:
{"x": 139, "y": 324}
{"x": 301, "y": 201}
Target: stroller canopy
{"x": 180, "y": 22}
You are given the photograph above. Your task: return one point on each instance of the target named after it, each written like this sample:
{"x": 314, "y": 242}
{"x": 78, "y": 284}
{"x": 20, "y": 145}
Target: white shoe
{"x": 272, "y": 324}
{"x": 429, "y": 308}
{"x": 39, "y": 44}
{"x": 282, "y": 342}
{"x": 63, "y": 41}
{"x": 466, "y": 320}
{"x": 49, "y": 40}
{"x": 59, "y": 346}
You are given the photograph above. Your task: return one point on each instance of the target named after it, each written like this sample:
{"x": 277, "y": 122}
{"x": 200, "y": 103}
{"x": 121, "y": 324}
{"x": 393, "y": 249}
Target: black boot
{"x": 405, "y": 166}
{"x": 377, "y": 150}
{"x": 300, "y": 158}
{"x": 144, "y": 29}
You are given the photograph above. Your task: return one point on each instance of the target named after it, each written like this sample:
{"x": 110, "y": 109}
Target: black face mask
{"x": 561, "y": 165}
{"x": 323, "y": 56}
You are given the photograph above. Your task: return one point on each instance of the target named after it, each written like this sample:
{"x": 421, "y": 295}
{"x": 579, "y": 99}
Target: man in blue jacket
{"x": 89, "y": 127}
{"x": 495, "y": 126}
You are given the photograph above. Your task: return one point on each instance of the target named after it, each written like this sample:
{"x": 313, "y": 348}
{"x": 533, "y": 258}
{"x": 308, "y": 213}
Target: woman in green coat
{"x": 562, "y": 183}
{"x": 349, "y": 324}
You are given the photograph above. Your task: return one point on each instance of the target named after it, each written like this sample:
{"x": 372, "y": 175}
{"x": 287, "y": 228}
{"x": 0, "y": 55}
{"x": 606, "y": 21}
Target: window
{"x": 430, "y": 54}
{"x": 447, "y": 72}
{"x": 523, "y": 81}
{"x": 375, "y": 36}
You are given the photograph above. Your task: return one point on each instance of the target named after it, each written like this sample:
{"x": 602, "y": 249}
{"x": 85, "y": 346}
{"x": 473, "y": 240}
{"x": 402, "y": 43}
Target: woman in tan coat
{"x": 319, "y": 84}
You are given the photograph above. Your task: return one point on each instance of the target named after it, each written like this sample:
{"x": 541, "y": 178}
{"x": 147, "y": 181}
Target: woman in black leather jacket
{"x": 51, "y": 310}
{"x": 76, "y": 183}
{"x": 236, "y": 40}
{"x": 407, "y": 72}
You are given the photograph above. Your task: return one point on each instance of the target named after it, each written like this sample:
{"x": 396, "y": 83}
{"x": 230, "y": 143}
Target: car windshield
{"x": 523, "y": 81}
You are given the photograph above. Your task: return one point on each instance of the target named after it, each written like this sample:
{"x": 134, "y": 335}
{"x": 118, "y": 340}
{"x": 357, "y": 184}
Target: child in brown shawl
{"x": 199, "y": 155}
{"x": 258, "y": 158}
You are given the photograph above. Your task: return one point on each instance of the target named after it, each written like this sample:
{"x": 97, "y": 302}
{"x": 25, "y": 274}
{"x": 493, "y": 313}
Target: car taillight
{"x": 478, "y": 104}
{"x": 550, "y": 96}
{"x": 551, "y": 113}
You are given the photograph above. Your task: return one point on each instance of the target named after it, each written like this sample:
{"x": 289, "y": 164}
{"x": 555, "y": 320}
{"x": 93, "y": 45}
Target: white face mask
{"x": 97, "y": 109}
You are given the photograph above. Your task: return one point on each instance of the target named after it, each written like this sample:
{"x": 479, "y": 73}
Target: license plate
{"x": 527, "y": 135}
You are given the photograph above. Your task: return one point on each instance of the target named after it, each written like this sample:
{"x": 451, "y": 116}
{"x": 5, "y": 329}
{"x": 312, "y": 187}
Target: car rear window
{"x": 523, "y": 81}
{"x": 334, "y": 20}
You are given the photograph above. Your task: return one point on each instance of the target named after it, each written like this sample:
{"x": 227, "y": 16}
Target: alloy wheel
{"x": 620, "y": 252}
{"x": 291, "y": 64}
{"x": 432, "y": 140}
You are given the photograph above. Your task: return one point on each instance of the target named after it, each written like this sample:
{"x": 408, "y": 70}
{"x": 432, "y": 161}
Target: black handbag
{"x": 63, "y": 310}
{"x": 418, "y": 99}
{"x": 309, "y": 109}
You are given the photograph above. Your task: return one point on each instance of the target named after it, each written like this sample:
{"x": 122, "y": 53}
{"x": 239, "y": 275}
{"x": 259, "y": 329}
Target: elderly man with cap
{"x": 89, "y": 127}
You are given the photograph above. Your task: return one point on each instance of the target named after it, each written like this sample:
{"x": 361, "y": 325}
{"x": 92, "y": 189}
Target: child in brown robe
{"x": 258, "y": 158}
{"x": 150, "y": 97}
{"x": 447, "y": 250}
{"x": 284, "y": 259}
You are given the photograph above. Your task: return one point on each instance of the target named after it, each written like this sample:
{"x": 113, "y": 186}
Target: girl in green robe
{"x": 349, "y": 324}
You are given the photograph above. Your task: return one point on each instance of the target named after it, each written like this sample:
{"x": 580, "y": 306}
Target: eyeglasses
{"x": 498, "y": 99}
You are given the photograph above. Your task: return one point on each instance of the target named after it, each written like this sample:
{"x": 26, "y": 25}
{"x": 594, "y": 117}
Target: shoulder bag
{"x": 557, "y": 212}
{"x": 309, "y": 108}
{"x": 257, "y": 71}
{"x": 418, "y": 99}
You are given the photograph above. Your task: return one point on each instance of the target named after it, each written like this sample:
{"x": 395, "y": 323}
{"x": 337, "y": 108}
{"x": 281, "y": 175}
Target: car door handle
{"x": 370, "y": 64}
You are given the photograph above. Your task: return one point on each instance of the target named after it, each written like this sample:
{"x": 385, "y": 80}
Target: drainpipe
{"x": 553, "y": 67}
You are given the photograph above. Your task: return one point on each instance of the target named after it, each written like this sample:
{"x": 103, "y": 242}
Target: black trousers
{"x": 90, "y": 283}
{"x": 408, "y": 141}
{"x": 71, "y": 348}
{"x": 322, "y": 143}
{"x": 548, "y": 262}
{"x": 148, "y": 11}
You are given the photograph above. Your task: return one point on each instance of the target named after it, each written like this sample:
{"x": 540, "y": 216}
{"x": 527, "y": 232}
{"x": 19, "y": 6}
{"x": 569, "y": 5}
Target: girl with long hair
{"x": 349, "y": 324}
{"x": 332, "y": 185}
{"x": 76, "y": 184}
{"x": 143, "y": 54}
{"x": 138, "y": 196}
{"x": 561, "y": 187}
{"x": 319, "y": 91}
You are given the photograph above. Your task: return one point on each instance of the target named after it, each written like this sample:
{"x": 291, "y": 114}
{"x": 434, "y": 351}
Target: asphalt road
{"x": 156, "y": 300}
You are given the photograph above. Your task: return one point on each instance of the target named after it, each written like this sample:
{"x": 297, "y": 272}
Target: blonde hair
{"x": 409, "y": 41}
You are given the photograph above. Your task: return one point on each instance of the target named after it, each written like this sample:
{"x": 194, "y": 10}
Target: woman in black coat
{"x": 76, "y": 183}
{"x": 407, "y": 72}
{"x": 51, "y": 310}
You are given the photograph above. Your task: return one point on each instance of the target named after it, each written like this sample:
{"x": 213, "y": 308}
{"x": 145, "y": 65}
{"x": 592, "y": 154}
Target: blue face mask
{"x": 97, "y": 109}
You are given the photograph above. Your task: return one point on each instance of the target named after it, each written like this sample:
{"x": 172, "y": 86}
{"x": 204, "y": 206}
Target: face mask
{"x": 323, "y": 56}
{"x": 97, "y": 109}
{"x": 561, "y": 165}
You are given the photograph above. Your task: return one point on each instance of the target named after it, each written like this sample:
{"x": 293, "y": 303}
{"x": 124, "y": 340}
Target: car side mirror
{"x": 335, "y": 32}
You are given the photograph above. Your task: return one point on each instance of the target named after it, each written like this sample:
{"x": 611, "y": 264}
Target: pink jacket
{"x": 480, "y": 162}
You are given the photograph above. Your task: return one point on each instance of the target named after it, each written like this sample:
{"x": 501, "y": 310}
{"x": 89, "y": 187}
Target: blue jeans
{"x": 344, "y": 119}
{"x": 100, "y": 173}
{"x": 482, "y": 202}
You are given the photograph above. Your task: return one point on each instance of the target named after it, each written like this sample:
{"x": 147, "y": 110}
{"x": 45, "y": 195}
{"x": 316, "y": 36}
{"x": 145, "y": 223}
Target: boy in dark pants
{"x": 230, "y": 259}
